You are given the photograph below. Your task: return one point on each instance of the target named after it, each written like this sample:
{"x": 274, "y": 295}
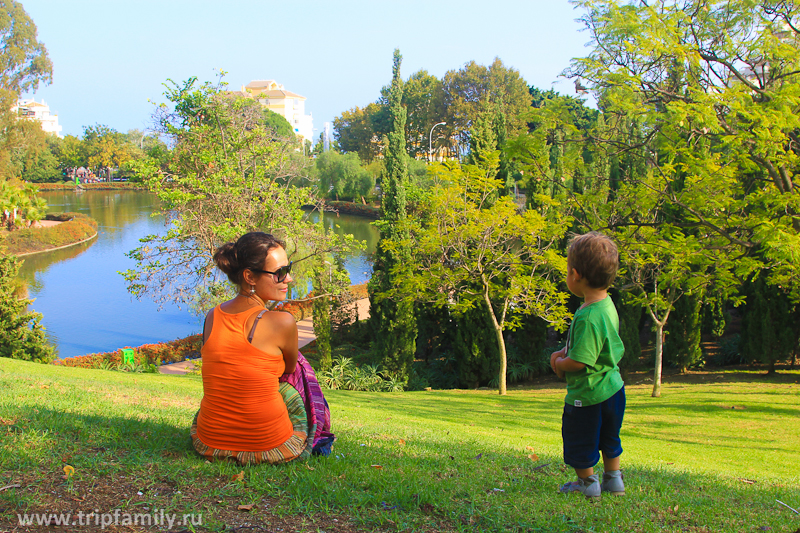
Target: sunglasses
{"x": 279, "y": 274}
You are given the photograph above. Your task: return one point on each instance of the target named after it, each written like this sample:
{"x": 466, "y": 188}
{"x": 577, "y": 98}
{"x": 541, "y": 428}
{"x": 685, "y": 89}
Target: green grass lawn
{"x": 714, "y": 453}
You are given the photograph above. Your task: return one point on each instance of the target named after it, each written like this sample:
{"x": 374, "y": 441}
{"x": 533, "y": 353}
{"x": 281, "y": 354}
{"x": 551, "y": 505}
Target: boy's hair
{"x": 595, "y": 257}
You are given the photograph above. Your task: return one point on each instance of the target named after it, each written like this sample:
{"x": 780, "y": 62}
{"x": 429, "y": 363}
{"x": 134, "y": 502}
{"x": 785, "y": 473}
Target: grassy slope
{"x": 441, "y": 453}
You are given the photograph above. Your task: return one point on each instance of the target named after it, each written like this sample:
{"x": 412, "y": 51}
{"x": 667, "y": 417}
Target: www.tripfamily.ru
{"x": 114, "y": 518}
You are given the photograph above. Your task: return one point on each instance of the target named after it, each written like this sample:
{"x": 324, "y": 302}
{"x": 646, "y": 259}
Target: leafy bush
{"x": 21, "y": 333}
{"x": 729, "y": 352}
{"x": 439, "y": 373}
{"x": 344, "y": 374}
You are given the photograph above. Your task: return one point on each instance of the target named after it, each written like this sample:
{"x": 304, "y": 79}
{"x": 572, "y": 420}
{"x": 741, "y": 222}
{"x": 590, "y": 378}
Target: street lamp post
{"x": 430, "y": 141}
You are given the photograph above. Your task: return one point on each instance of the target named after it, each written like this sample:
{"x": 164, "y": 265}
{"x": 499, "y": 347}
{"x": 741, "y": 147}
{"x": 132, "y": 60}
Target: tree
{"x": 467, "y": 91}
{"x": 31, "y": 158}
{"x": 105, "y": 147}
{"x": 769, "y": 325}
{"x": 714, "y": 89}
{"x": 391, "y": 320}
{"x": 683, "y": 349}
{"x": 70, "y": 153}
{"x": 24, "y": 62}
{"x": 423, "y": 99}
{"x": 278, "y": 124}
{"x": 472, "y": 254}
{"x": 227, "y": 175}
{"x": 21, "y": 333}
{"x": 662, "y": 265}
{"x": 341, "y": 176}
{"x": 356, "y": 131}
{"x": 20, "y": 205}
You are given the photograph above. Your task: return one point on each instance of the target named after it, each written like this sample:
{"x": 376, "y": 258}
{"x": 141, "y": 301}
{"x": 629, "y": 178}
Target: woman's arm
{"x": 207, "y": 325}
{"x": 288, "y": 328}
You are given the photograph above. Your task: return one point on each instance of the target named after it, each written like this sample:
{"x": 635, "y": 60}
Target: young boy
{"x": 595, "y": 402}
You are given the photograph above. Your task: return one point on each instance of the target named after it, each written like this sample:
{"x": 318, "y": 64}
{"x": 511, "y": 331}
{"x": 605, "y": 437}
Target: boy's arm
{"x": 554, "y": 356}
{"x": 565, "y": 364}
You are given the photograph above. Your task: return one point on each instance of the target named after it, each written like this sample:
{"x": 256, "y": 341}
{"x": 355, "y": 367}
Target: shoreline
{"x": 58, "y": 247}
{"x": 49, "y": 234}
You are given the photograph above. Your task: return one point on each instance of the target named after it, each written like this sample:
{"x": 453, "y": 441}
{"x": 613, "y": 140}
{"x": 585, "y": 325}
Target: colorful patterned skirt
{"x": 308, "y": 412}
{"x": 298, "y": 446}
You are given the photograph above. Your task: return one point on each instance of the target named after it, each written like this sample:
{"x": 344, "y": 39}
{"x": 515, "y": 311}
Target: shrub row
{"x": 77, "y": 227}
{"x": 351, "y": 208}
{"x": 67, "y": 185}
{"x": 147, "y": 354}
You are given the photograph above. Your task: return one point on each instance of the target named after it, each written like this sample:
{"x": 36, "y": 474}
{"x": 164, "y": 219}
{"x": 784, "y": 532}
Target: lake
{"x": 85, "y": 303}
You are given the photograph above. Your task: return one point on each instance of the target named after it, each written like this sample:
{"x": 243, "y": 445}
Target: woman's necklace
{"x": 255, "y": 297}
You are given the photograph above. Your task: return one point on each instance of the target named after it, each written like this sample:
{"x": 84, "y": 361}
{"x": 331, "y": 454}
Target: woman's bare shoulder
{"x": 281, "y": 319}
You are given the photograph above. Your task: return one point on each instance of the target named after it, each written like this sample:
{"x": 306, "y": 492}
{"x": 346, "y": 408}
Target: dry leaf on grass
{"x": 376, "y": 466}
{"x": 238, "y": 477}
{"x": 401, "y": 442}
{"x": 247, "y": 507}
{"x": 533, "y": 457}
{"x": 529, "y": 448}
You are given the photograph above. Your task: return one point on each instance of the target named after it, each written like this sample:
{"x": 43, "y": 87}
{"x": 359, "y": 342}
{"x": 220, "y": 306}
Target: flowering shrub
{"x": 298, "y": 309}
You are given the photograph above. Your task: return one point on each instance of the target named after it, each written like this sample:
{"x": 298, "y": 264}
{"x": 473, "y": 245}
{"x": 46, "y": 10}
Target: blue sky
{"x": 111, "y": 56}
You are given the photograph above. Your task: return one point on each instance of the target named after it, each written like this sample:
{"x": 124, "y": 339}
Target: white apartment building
{"x": 33, "y": 110}
{"x": 291, "y": 106}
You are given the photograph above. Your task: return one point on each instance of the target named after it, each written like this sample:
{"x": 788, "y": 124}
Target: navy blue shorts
{"x": 588, "y": 430}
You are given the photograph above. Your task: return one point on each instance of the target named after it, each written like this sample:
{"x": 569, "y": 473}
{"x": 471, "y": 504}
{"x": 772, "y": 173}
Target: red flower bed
{"x": 153, "y": 354}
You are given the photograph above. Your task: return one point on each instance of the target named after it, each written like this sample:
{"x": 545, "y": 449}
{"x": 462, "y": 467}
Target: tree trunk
{"x": 501, "y": 343}
{"x": 659, "y": 358}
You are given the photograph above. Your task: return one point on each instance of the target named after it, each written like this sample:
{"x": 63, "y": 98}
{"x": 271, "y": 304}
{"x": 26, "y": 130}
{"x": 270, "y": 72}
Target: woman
{"x": 246, "y": 414}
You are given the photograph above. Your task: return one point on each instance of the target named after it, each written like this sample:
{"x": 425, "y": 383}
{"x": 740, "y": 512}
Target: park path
{"x": 305, "y": 334}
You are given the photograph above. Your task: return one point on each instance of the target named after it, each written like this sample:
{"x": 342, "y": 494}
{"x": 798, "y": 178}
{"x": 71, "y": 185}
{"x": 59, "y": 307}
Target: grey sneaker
{"x": 613, "y": 483}
{"x": 589, "y": 487}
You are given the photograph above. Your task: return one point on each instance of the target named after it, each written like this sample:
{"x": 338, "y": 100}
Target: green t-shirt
{"x": 594, "y": 340}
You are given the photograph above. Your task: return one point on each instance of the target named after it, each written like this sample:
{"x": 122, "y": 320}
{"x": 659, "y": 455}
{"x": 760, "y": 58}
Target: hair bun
{"x": 225, "y": 258}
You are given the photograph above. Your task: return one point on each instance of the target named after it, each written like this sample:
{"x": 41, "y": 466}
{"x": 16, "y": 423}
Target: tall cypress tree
{"x": 392, "y": 321}
{"x": 21, "y": 332}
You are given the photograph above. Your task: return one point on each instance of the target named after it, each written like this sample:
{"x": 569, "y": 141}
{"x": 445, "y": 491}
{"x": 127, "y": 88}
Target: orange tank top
{"x": 241, "y": 409}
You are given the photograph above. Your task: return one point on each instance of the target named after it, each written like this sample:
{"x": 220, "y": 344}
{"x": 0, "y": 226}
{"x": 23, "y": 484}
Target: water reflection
{"x": 358, "y": 265}
{"x": 84, "y": 300}
{"x": 85, "y": 303}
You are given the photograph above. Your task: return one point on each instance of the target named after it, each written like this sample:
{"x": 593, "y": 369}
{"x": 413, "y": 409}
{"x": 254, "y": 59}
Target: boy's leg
{"x": 613, "y": 411}
{"x": 610, "y": 463}
{"x": 580, "y": 430}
